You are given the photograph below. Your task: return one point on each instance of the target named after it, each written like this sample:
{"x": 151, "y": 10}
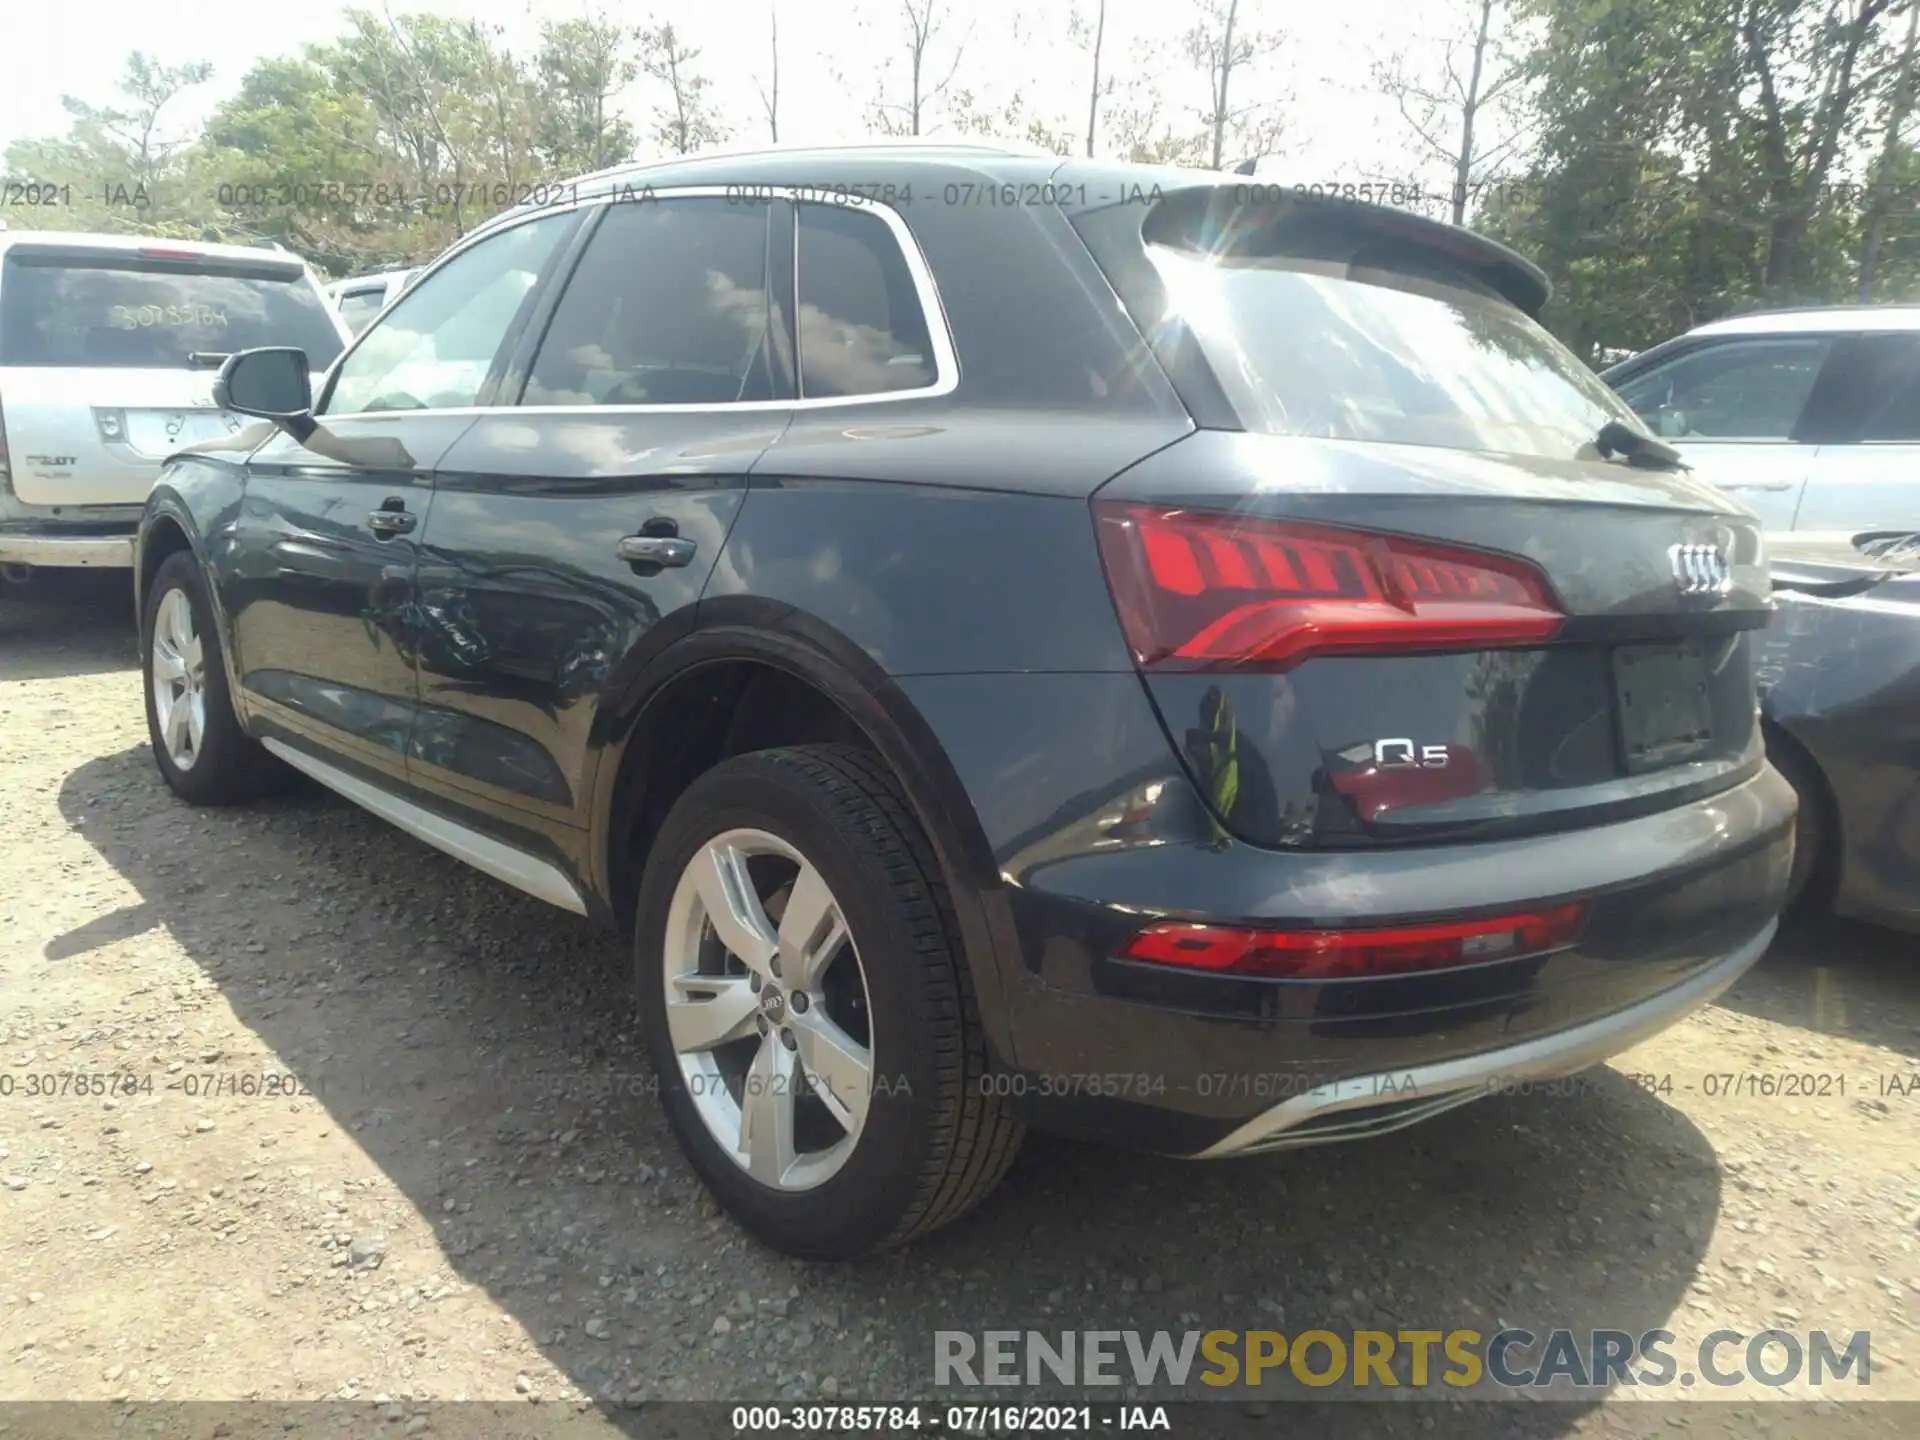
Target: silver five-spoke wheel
{"x": 767, "y": 1009}
{"x": 179, "y": 680}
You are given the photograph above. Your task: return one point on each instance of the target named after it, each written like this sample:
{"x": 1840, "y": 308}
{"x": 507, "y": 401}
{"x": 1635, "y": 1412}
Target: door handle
{"x": 385, "y": 522}
{"x": 655, "y": 550}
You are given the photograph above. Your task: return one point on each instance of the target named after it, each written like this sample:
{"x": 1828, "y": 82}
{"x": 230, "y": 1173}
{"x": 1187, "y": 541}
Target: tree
{"x": 1223, "y": 42}
{"x": 686, "y": 120}
{"x": 579, "y": 72}
{"x": 1012, "y": 120}
{"x": 1886, "y": 168}
{"x": 922, "y": 23}
{"x": 1446, "y": 113}
{"x": 1694, "y": 157}
{"x": 1091, "y": 35}
{"x": 135, "y": 132}
{"x": 271, "y": 150}
{"x": 1801, "y": 135}
{"x": 1145, "y": 126}
{"x": 770, "y": 92}
{"x": 121, "y": 168}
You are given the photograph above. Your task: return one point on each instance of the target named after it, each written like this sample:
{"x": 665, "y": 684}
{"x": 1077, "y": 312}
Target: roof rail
{"x": 1820, "y": 309}
{"x": 919, "y": 143}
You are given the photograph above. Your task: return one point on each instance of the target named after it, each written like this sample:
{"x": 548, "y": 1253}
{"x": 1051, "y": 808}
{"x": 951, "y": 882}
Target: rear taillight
{"x": 1356, "y": 954}
{"x": 1201, "y": 590}
{"x": 6, "y": 465}
{"x": 162, "y": 252}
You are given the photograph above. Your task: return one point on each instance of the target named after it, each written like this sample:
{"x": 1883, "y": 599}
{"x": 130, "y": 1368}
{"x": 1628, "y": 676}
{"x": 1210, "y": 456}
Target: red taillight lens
{"x": 1198, "y": 590}
{"x": 1356, "y": 954}
{"x": 162, "y": 252}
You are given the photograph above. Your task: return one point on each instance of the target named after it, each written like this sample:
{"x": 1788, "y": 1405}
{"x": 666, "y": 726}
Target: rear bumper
{"x": 1090, "y": 841}
{"x": 1156, "y": 1058}
{"x": 100, "y": 552}
{"x": 1367, "y": 1105}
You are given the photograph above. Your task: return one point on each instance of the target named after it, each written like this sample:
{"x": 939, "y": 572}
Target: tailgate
{"x": 1420, "y": 576}
{"x": 108, "y": 354}
{"x": 97, "y": 437}
{"x": 1625, "y": 696}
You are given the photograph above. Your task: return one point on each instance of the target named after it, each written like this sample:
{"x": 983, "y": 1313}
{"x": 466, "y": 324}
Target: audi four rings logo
{"x": 1701, "y": 570}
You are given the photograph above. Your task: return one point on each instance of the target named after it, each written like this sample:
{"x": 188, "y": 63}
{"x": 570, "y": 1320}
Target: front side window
{"x": 668, "y": 306}
{"x": 862, "y": 328}
{"x": 434, "y": 348}
{"x": 1733, "y": 390}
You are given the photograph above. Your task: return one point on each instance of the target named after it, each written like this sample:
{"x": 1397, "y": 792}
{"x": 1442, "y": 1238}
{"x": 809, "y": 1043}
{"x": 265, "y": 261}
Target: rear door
{"x": 108, "y": 356}
{"x": 316, "y": 572}
{"x": 577, "y": 529}
{"x": 1733, "y": 407}
{"x": 1865, "y": 417}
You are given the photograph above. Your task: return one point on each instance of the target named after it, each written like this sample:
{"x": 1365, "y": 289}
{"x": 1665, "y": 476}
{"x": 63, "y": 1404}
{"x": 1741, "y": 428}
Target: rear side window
{"x": 667, "y": 307}
{"x": 1731, "y": 390}
{"x": 862, "y": 330}
{"x": 83, "y": 311}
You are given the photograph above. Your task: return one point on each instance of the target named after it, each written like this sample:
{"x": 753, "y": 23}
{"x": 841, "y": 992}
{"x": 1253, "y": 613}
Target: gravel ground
{"x": 474, "y": 1198}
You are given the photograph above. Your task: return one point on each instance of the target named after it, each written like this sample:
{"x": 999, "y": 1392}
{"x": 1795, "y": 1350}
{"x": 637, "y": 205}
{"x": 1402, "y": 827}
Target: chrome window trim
{"x": 946, "y": 361}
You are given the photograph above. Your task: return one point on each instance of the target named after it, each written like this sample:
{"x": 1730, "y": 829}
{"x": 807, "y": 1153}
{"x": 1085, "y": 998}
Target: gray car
{"x": 1839, "y": 674}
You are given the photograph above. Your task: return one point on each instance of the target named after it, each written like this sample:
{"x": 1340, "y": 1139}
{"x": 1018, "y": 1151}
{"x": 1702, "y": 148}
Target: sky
{"x": 832, "y": 57}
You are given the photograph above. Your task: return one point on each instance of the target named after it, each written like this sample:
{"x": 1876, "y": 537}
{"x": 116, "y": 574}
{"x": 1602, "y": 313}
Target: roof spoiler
{"x": 1225, "y": 215}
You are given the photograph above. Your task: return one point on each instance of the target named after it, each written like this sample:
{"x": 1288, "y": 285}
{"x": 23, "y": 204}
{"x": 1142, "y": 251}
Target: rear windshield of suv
{"x": 1345, "y": 347}
{"x": 86, "y": 312}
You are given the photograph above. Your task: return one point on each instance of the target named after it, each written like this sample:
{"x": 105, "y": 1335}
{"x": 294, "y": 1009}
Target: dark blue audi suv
{"x": 1141, "y": 654}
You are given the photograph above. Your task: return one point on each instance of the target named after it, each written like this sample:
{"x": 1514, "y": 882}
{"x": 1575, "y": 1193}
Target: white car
{"x": 109, "y": 346}
{"x": 364, "y": 296}
{"x": 1809, "y": 417}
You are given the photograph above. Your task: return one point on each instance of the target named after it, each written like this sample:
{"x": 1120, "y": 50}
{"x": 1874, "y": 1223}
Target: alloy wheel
{"x": 177, "y": 671}
{"x": 767, "y": 1009}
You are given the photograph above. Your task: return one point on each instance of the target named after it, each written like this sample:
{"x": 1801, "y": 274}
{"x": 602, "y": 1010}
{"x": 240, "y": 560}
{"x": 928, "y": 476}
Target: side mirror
{"x": 271, "y": 384}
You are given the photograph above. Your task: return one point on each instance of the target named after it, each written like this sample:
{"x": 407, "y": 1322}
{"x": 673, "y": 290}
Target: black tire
{"x": 934, "y": 1143}
{"x": 1810, "y": 882}
{"x": 229, "y": 766}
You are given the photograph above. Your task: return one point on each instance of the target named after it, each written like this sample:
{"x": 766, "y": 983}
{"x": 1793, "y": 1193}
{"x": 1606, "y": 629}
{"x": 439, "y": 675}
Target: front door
{"x": 317, "y": 571}
{"x": 317, "y": 576}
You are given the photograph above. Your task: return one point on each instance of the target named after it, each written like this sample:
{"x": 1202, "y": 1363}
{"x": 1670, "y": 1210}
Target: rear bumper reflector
{"x": 1356, "y": 954}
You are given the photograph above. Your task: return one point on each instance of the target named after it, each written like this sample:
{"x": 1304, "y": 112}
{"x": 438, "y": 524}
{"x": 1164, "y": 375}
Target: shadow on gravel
{"x": 478, "y": 1046}
{"x": 80, "y": 624}
{"x": 1840, "y": 978}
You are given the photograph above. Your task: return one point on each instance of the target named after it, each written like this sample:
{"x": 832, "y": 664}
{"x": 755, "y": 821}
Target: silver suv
{"x": 109, "y": 346}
